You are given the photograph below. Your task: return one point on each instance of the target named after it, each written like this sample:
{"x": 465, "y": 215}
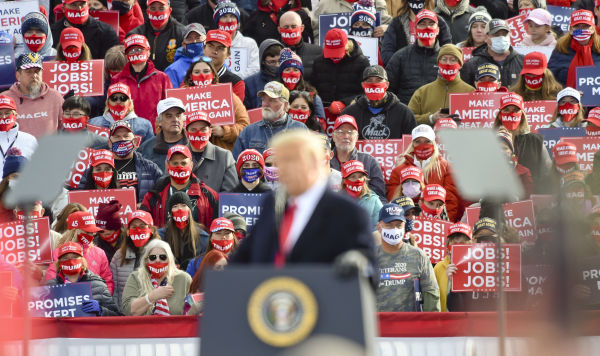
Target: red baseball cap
{"x": 445, "y": 123}
{"x": 6, "y": 102}
{"x": 426, "y": 14}
{"x": 222, "y": 37}
{"x": 221, "y": 224}
{"x": 268, "y": 153}
{"x": 582, "y": 16}
{"x": 102, "y": 156}
{"x": 335, "y": 42}
{"x": 352, "y": 167}
{"x": 141, "y": 215}
{"x": 534, "y": 63}
{"x": 411, "y": 172}
{"x": 196, "y": 116}
{"x": 166, "y": 2}
{"x": 594, "y": 115}
{"x": 83, "y": 220}
{"x": 564, "y": 152}
{"x": 434, "y": 192}
{"x": 511, "y": 99}
{"x": 184, "y": 150}
{"x": 461, "y": 228}
{"x": 249, "y": 155}
{"x": 70, "y": 247}
{"x": 72, "y": 1}
{"x": 136, "y": 40}
{"x": 345, "y": 119}
{"x": 119, "y": 88}
{"x": 71, "y": 36}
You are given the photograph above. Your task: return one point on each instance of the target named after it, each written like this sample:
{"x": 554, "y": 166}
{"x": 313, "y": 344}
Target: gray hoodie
{"x": 48, "y": 52}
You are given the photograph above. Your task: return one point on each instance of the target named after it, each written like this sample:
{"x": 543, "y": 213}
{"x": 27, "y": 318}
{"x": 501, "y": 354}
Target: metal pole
{"x": 27, "y": 207}
{"x": 500, "y": 284}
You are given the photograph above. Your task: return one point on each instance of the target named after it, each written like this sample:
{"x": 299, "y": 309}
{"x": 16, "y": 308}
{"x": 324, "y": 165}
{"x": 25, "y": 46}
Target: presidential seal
{"x": 282, "y": 311}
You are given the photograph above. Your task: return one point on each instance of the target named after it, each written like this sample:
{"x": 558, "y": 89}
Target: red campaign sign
{"x": 467, "y": 53}
{"x": 476, "y": 109}
{"x": 79, "y": 166}
{"x": 107, "y": 16}
{"x": 519, "y": 215}
{"x": 430, "y": 235}
{"x": 384, "y": 151}
{"x": 13, "y": 241}
{"x": 215, "y": 99}
{"x": 406, "y": 142}
{"x": 476, "y": 267}
{"x": 91, "y": 199}
{"x": 85, "y": 78}
{"x": 518, "y": 29}
{"x": 541, "y": 201}
{"x": 6, "y": 305}
{"x": 255, "y": 115}
{"x": 539, "y": 113}
{"x": 586, "y": 148}
{"x": 105, "y": 131}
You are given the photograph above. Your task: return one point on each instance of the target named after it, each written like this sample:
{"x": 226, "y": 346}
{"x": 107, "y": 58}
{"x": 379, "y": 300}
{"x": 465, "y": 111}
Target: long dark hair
{"x": 190, "y": 236}
{"x": 187, "y": 79}
{"x": 90, "y": 184}
{"x": 312, "y": 122}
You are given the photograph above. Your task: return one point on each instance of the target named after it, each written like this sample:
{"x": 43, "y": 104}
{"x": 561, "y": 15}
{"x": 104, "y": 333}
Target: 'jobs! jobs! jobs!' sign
{"x": 85, "y": 78}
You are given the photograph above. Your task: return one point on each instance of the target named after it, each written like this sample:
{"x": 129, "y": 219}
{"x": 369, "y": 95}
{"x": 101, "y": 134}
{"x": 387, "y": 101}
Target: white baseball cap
{"x": 168, "y": 103}
{"x": 423, "y": 131}
{"x": 568, "y": 91}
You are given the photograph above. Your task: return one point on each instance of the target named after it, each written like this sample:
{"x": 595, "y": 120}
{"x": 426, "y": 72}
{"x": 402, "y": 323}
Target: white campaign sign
{"x": 238, "y": 61}
{"x": 369, "y": 47}
{"x": 528, "y": 49}
{"x": 11, "y": 14}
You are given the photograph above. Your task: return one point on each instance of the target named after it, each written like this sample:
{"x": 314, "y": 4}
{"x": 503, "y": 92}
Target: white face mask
{"x": 411, "y": 189}
{"x": 500, "y": 44}
{"x": 392, "y": 236}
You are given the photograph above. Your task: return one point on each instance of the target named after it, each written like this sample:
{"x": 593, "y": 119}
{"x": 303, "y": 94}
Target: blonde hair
{"x": 434, "y": 166}
{"x": 548, "y": 91}
{"x": 398, "y": 192}
{"x": 85, "y": 55}
{"x": 577, "y": 120}
{"x": 523, "y": 126}
{"x": 71, "y": 236}
{"x": 144, "y": 277}
{"x": 563, "y": 44}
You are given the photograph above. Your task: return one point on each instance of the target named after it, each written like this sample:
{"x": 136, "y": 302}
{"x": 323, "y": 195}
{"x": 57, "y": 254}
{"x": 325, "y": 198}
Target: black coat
{"x": 497, "y": 9}
{"x": 337, "y": 225}
{"x": 341, "y": 81}
{"x": 203, "y": 15}
{"x": 99, "y": 36}
{"x": 528, "y": 149}
{"x": 164, "y": 45}
{"x": 393, "y": 121}
{"x": 308, "y": 52}
{"x": 510, "y": 70}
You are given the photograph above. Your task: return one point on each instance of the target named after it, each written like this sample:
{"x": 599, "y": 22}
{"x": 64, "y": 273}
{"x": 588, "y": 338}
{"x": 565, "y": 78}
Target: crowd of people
{"x": 179, "y": 162}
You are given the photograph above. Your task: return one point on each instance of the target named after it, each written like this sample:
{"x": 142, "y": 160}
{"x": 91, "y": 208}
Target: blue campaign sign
{"x": 62, "y": 300}
{"x": 340, "y": 20}
{"x": 248, "y": 205}
{"x": 561, "y": 16}
{"x": 553, "y": 135}
{"x": 588, "y": 83}
{"x": 7, "y": 61}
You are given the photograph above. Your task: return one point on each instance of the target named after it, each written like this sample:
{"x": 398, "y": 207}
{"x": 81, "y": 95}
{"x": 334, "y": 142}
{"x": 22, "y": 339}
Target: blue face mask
{"x": 250, "y": 175}
{"x": 195, "y": 49}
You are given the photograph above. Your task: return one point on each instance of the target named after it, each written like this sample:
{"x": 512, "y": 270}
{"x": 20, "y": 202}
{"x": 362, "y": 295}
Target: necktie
{"x": 284, "y": 231}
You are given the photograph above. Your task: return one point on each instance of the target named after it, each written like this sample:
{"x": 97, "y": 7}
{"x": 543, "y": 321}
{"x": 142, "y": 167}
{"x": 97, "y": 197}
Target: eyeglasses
{"x": 121, "y": 98}
{"x": 153, "y": 258}
{"x": 136, "y": 50}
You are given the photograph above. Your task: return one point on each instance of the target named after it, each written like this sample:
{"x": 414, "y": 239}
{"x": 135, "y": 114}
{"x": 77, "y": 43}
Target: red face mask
{"x": 487, "y": 86}
{"x": 179, "y": 174}
{"x": 568, "y": 111}
{"x": 449, "y": 71}
{"x": 112, "y": 237}
{"x": 427, "y": 35}
{"x": 511, "y": 120}
{"x": 431, "y": 213}
{"x": 533, "y": 82}
{"x": 181, "y": 218}
{"x": 299, "y": 115}
{"x": 229, "y": 27}
{"x": 375, "y": 91}
{"x": 85, "y": 239}
{"x": 138, "y": 58}
{"x": 71, "y": 267}
{"x": 203, "y": 79}
{"x": 32, "y": 214}
{"x": 71, "y": 54}
{"x": 8, "y": 122}
{"x": 222, "y": 245}
{"x": 423, "y": 151}
{"x": 119, "y": 111}
{"x": 77, "y": 17}
{"x": 71, "y": 124}
{"x": 278, "y": 4}
{"x": 592, "y": 131}
{"x": 291, "y": 36}
{"x": 139, "y": 236}
{"x": 102, "y": 179}
{"x": 291, "y": 79}
{"x": 336, "y": 60}
{"x": 198, "y": 139}
{"x": 353, "y": 188}
{"x": 158, "y": 18}
{"x": 35, "y": 42}
{"x": 157, "y": 269}
{"x": 239, "y": 235}
{"x": 452, "y": 3}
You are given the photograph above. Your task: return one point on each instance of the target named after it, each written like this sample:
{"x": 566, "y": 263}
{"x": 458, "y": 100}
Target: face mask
{"x": 239, "y": 235}
{"x": 202, "y": 79}
{"x": 157, "y": 269}
{"x": 119, "y": 111}
{"x": 32, "y": 214}
{"x": 35, "y": 42}
{"x": 250, "y": 175}
{"x": 361, "y": 32}
{"x": 195, "y": 49}
{"x": 291, "y": 36}
{"x": 222, "y": 245}
{"x": 180, "y": 174}
{"x": 432, "y": 213}
{"x": 291, "y": 79}
{"x": 198, "y": 139}
{"x": 85, "y": 239}
{"x": 449, "y": 71}
{"x": 487, "y": 86}
{"x": 71, "y": 124}
{"x": 271, "y": 174}
{"x": 121, "y": 7}
{"x": 112, "y": 237}
{"x": 278, "y": 4}
{"x": 353, "y": 188}
{"x": 568, "y": 111}
{"x": 71, "y": 267}
{"x": 158, "y": 18}
{"x": 424, "y": 151}
{"x": 510, "y": 120}
{"x": 299, "y": 115}
{"x": 122, "y": 148}
{"x": 8, "y": 122}
{"x": 270, "y": 70}
{"x": 533, "y": 82}
{"x": 77, "y": 17}
{"x": 416, "y": 5}
{"x": 525, "y": 11}
{"x": 139, "y": 58}
{"x": 336, "y": 60}
{"x": 589, "y": 130}
{"x": 375, "y": 91}
{"x": 229, "y": 27}
{"x": 596, "y": 233}
{"x": 582, "y": 35}
{"x": 427, "y": 35}
{"x": 71, "y": 54}
{"x": 102, "y": 179}
{"x": 452, "y": 3}
{"x": 139, "y": 236}
{"x": 181, "y": 218}
{"x": 392, "y": 236}
{"x": 500, "y": 44}
{"x": 411, "y": 189}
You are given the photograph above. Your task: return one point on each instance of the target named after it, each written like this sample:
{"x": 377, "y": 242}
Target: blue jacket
{"x": 372, "y": 205}
{"x": 176, "y": 70}
{"x": 254, "y": 84}
{"x": 559, "y": 64}
{"x": 139, "y": 125}
{"x": 258, "y": 134}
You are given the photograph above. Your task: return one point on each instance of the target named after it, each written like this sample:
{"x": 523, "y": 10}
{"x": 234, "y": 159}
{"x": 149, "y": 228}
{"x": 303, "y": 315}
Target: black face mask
{"x": 121, "y": 7}
{"x": 414, "y": 5}
{"x": 270, "y": 70}
{"x": 361, "y": 32}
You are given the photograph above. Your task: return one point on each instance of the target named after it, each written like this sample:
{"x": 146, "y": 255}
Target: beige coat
{"x": 132, "y": 291}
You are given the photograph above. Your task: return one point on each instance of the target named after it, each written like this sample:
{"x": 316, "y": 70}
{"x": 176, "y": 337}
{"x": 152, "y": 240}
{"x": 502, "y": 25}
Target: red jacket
{"x": 130, "y": 20}
{"x": 148, "y": 92}
{"x": 204, "y": 199}
{"x": 526, "y": 179}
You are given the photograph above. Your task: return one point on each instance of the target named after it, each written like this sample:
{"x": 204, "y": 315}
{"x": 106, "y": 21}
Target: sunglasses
{"x": 121, "y": 98}
{"x": 153, "y": 258}
{"x": 204, "y": 59}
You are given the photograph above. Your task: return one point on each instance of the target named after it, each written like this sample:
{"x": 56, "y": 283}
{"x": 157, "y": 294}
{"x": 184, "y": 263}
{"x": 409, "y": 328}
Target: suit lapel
{"x": 309, "y": 232}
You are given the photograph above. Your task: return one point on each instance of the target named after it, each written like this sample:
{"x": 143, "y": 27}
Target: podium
{"x": 261, "y": 310}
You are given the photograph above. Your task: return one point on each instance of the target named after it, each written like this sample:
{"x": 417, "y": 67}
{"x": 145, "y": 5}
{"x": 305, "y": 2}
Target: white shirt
{"x": 305, "y": 207}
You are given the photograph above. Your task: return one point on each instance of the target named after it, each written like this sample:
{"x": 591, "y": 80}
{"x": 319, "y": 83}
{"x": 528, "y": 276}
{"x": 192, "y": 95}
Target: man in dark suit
{"x": 306, "y": 223}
